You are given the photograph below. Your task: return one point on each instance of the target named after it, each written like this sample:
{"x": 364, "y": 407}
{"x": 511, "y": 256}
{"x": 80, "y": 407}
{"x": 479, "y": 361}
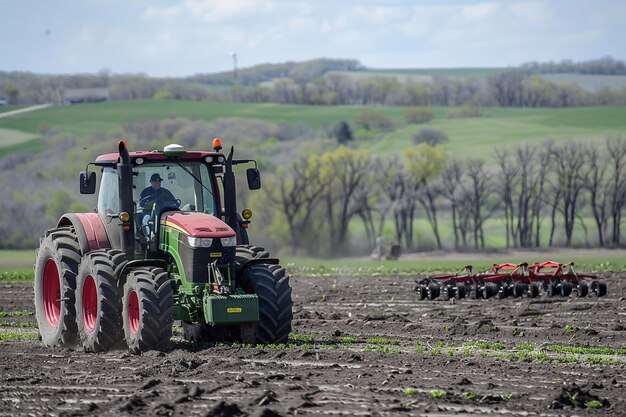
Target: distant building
{"x": 84, "y": 95}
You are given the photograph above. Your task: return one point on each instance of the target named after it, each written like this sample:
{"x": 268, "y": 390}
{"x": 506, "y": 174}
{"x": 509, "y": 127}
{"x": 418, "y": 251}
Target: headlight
{"x": 229, "y": 241}
{"x": 199, "y": 242}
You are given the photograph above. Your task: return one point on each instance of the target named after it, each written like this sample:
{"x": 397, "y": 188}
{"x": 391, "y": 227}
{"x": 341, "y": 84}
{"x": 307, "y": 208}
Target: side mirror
{"x": 88, "y": 182}
{"x": 254, "y": 178}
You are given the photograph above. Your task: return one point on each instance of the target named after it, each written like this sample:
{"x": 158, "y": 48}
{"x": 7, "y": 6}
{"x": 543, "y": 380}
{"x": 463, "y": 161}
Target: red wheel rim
{"x": 51, "y": 293}
{"x": 133, "y": 312}
{"x": 90, "y": 303}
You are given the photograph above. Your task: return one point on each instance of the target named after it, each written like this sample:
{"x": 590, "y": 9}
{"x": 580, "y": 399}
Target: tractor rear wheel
{"x": 98, "y": 302}
{"x": 274, "y": 292}
{"x": 147, "y": 307}
{"x": 56, "y": 267}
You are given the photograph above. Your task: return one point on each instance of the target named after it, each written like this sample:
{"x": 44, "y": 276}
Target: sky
{"x": 185, "y": 37}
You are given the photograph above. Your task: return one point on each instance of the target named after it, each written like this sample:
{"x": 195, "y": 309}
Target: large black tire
{"x": 147, "y": 307}
{"x": 252, "y": 252}
{"x": 566, "y": 288}
{"x": 599, "y": 287}
{"x": 490, "y": 290}
{"x": 460, "y": 291}
{"x": 274, "y": 292}
{"x": 533, "y": 290}
{"x": 98, "y": 302}
{"x": 421, "y": 291}
{"x": 519, "y": 289}
{"x": 56, "y": 267}
{"x": 433, "y": 291}
{"x": 275, "y": 313}
{"x": 552, "y": 288}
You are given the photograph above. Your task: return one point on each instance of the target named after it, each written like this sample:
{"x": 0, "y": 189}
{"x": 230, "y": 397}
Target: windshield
{"x": 171, "y": 182}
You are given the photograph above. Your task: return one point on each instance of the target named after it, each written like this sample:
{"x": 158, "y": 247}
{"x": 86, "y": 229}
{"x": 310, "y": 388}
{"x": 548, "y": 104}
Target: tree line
{"x": 606, "y": 65}
{"x": 331, "y": 82}
{"x": 322, "y": 199}
{"x": 528, "y": 189}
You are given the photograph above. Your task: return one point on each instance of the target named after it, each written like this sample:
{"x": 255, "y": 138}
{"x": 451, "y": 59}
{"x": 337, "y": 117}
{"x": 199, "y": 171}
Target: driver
{"x": 156, "y": 194}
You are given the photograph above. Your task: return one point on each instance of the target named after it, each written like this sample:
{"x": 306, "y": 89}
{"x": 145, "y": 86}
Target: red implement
{"x": 509, "y": 279}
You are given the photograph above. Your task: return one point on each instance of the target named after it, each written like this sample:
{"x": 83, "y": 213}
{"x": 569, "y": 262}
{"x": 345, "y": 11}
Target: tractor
{"x": 123, "y": 274}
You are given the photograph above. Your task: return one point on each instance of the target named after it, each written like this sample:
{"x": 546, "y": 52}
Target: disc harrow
{"x": 505, "y": 280}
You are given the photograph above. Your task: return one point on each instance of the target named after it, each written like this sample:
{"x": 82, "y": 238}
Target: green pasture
{"x": 85, "y": 119}
{"x": 468, "y": 137}
{"x": 502, "y": 127}
{"x": 17, "y": 260}
{"x": 4, "y": 109}
{"x": 16, "y": 141}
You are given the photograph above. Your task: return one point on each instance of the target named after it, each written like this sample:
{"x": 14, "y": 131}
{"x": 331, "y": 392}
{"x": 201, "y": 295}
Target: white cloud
{"x": 479, "y": 11}
{"x": 210, "y": 10}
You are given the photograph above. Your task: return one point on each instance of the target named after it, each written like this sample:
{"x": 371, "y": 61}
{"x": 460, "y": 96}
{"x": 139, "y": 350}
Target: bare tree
{"x": 427, "y": 197}
{"x": 451, "y": 178}
{"x": 296, "y": 196}
{"x": 617, "y": 159}
{"x": 569, "y": 164}
{"x": 424, "y": 165}
{"x": 506, "y": 182}
{"x": 542, "y": 162}
{"x": 478, "y": 191}
{"x": 598, "y": 189}
{"x": 389, "y": 186}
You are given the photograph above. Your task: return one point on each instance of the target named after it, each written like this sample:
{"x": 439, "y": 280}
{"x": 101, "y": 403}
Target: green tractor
{"x": 165, "y": 243}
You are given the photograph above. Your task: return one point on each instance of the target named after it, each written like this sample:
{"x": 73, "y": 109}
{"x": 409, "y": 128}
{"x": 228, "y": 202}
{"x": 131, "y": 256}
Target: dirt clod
{"x": 575, "y": 396}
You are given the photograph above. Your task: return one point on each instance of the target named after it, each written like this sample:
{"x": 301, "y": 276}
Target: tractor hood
{"x": 197, "y": 224}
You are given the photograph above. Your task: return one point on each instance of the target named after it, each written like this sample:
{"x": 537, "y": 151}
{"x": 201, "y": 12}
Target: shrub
{"x": 342, "y": 132}
{"x": 373, "y": 121}
{"x": 431, "y": 137}
{"x": 465, "y": 111}
{"x": 418, "y": 115}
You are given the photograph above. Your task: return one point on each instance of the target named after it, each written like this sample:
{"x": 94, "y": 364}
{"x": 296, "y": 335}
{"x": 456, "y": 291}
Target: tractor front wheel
{"x": 271, "y": 285}
{"x": 56, "y": 267}
{"x": 147, "y": 308}
{"x": 98, "y": 306}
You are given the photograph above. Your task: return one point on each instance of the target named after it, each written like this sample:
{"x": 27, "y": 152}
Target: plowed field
{"x": 360, "y": 346}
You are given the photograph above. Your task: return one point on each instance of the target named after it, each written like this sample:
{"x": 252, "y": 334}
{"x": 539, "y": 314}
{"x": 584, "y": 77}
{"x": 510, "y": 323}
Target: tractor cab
{"x": 159, "y": 186}
{"x": 184, "y": 181}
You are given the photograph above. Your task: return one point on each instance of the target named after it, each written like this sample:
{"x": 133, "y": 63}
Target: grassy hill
{"x": 468, "y": 137}
{"x": 478, "y": 73}
{"x": 588, "y": 82}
